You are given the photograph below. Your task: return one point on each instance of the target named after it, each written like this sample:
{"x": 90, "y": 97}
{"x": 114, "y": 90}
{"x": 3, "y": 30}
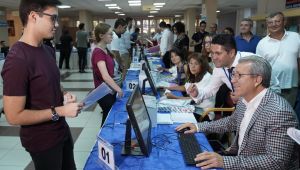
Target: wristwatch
{"x": 55, "y": 116}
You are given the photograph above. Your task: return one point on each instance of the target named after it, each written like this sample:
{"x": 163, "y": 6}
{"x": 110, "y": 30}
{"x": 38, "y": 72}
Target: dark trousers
{"x": 59, "y": 157}
{"x": 106, "y": 103}
{"x": 64, "y": 54}
{"x": 167, "y": 60}
{"x": 82, "y": 53}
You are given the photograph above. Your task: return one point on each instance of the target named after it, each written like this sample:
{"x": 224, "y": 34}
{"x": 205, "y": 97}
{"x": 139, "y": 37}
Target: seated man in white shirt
{"x": 225, "y": 57}
{"x": 260, "y": 120}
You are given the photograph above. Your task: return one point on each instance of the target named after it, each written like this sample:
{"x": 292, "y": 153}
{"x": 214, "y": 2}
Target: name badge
{"x": 106, "y": 153}
{"x": 130, "y": 84}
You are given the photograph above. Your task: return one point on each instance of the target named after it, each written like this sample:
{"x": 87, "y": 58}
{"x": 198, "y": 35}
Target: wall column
{"x": 86, "y": 18}
{"x": 189, "y": 21}
{"x": 209, "y": 8}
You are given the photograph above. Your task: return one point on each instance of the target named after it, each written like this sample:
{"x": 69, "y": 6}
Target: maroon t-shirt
{"x": 100, "y": 55}
{"x": 32, "y": 72}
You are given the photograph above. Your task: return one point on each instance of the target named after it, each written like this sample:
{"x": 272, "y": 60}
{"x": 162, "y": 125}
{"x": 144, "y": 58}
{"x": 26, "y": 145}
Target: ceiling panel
{"x": 171, "y": 8}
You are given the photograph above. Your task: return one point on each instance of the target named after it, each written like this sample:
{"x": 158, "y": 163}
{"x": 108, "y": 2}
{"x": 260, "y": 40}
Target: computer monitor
{"x": 149, "y": 79}
{"x": 140, "y": 121}
{"x": 147, "y": 62}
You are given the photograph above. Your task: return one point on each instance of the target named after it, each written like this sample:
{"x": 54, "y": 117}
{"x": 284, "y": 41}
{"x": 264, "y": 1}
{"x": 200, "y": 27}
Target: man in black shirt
{"x": 32, "y": 95}
{"x": 198, "y": 37}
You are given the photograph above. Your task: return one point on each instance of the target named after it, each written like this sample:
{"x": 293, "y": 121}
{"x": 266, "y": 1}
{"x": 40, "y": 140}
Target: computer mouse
{"x": 183, "y": 130}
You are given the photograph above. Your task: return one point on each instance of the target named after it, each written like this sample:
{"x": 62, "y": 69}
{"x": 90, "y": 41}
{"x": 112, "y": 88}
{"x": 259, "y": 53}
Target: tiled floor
{"x": 84, "y": 128}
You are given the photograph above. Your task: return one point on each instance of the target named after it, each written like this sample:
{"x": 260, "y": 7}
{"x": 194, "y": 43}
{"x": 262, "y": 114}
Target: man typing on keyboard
{"x": 260, "y": 120}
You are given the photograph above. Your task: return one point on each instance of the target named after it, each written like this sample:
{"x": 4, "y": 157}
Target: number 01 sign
{"x": 106, "y": 153}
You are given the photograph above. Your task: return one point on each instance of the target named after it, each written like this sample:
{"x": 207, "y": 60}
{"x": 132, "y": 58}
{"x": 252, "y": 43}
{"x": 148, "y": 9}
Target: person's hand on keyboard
{"x": 209, "y": 160}
{"x": 192, "y": 128}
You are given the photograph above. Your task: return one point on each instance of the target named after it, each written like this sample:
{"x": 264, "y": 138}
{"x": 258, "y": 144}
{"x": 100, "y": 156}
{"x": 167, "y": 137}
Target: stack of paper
{"x": 183, "y": 117}
{"x": 164, "y": 119}
{"x": 175, "y": 102}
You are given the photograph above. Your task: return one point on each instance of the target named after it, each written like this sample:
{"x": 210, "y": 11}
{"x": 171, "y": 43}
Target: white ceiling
{"x": 171, "y": 8}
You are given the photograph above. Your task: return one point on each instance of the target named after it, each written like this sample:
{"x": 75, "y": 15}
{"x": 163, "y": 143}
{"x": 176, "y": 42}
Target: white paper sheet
{"x": 164, "y": 119}
{"x": 183, "y": 117}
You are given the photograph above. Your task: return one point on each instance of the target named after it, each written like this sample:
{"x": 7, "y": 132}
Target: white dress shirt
{"x": 218, "y": 77}
{"x": 206, "y": 103}
{"x": 251, "y": 108}
{"x": 124, "y": 42}
{"x": 282, "y": 55}
{"x": 166, "y": 41}
{"x": 115, "y": 43}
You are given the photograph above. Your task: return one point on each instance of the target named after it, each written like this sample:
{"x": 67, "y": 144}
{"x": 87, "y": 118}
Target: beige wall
{"x": 13, "y": 15}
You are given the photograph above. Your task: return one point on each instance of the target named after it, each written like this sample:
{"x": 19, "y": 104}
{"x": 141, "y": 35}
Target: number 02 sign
{"x": 130, "y": 85}
{"x": 106, "y": 153}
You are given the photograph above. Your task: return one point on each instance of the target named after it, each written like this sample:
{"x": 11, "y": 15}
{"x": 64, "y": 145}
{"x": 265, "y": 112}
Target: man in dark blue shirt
{"x": 246, "y": 41}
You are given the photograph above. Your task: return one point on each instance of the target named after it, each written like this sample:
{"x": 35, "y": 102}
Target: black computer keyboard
{"x": 189, "y": 147}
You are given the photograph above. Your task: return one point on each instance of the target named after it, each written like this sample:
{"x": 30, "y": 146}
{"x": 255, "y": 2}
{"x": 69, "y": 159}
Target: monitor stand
{"x": 131, "y": 146}
{"x": 144, "y": 85}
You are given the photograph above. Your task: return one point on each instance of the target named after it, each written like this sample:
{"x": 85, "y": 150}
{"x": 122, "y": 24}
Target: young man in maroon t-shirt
{"x": 32, "y": 95}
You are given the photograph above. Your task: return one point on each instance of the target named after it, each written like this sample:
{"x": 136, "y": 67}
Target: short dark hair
{"x": 276, "y": 13}
{"x": 163, "y": 24}
{"x": 128, "y": 19}
{"x": 26, "y": 6}
{"x": 137, "y": 29}
{"x": 81, "y": 26}
{"x": 179, "y": 27}
{"x": 230, "y": 30}
{"x": 248, "y": 20}
{"x": 225, "y": 40}
{"x": 169, "y": 26}
{"x": 202, "y": 22}
{"x": 178, "y": 52}
{"x": 120, "y": 21}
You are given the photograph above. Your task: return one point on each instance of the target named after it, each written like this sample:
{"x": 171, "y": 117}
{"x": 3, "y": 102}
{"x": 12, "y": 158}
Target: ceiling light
{"x": 117, "y": 12}
{"x": 134, "y": 4}
{"x": 103, "y": 0}
{"x": 64, "y": 6}
{"x": 150, "y": 16}
{"x": 155, "y": 4}
{"x": 156, "y": 9}
{"x": 114, "y": 7}
{"x": 218, "y": 11}
{"x": 177, "y": 16}
{"x": 110, "y": 4}
{"x": 121, "y": 14}
{"x": 158, "y": 6}
{"x": 152, "y": 12}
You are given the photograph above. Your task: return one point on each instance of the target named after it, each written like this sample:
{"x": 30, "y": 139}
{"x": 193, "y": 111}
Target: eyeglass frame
{"x": 54, "y": 17}
{"x": 274, "y": 22}
{"x": 238, "y": 76}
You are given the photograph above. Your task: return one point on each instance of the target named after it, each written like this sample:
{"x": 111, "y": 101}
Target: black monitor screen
{"x": 150, "y": 79}
{"x": 140, "y": 120}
